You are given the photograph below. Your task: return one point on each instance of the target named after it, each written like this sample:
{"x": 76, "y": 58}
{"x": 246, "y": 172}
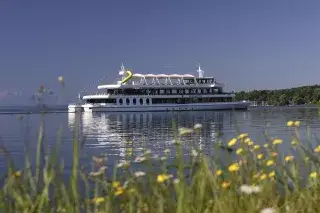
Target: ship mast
{"x": 122, "y": 70}
{"x": 200, "y": 71}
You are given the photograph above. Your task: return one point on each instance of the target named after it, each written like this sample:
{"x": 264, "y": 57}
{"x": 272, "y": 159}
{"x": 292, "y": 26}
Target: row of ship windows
{"x": 121, "y": 101}
{"x": 134, "y": 101}
{"x": 189, "y": 100}
{"x": 160, "y": 100}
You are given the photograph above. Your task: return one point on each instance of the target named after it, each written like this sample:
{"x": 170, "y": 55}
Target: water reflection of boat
{"x": 117, "y": 133}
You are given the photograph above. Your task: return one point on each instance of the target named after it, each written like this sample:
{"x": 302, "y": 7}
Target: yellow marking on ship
{"x": 128, "y": 77}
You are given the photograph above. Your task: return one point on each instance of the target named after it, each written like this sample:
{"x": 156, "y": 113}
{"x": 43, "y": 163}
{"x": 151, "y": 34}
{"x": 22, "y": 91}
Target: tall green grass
{"x": 259, "y": 180}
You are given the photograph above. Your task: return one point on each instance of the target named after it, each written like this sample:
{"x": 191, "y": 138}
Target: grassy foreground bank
{"x": 259, "y": 180}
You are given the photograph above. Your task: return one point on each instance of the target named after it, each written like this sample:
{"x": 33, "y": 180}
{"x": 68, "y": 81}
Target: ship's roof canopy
{"x": 162, "y": 75}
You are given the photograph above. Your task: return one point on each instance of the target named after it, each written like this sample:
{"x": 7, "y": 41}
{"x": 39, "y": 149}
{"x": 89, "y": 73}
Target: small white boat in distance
{"x": 159, "y": 92}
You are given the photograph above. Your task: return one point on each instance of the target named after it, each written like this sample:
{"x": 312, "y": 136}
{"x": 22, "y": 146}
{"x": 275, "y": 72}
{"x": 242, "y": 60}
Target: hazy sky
{"x": 245, "y": 44}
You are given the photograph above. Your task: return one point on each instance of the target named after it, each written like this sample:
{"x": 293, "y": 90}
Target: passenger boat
{"x": 159, "y": 92}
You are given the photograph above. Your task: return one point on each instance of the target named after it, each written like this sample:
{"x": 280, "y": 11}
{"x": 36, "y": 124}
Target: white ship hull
{"x": 159, "y": 92}
{"x": 160, "y": 107}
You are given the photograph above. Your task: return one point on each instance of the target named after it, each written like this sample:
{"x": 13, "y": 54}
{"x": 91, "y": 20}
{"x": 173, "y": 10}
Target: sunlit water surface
{"x": 121, "y": 136}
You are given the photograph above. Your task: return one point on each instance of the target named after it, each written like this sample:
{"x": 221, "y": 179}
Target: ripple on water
{"x": 120, "y": 135}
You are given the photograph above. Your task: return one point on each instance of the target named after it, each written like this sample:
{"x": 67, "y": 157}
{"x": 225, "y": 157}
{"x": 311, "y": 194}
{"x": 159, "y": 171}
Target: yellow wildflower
{"x": 290, "y": 123}
{"x": 313, "y": 175}
{"x": 277, "y": 141}
{"x": 243, "y": 135}
{"x": 272, "y": 174}
{"x": 263, "y": 176}
{"x": 293, "y": 123}
{"x": 219, "y": 172}
{"x": 250, "y": 143}
{"x": 98, "y": 200}
{"x": 234, "y": 167}
{"x": 226, "y": 184}
{"x": 17, "y": 174}
{"x": 161, "y": 178}
{"x": 269, "y": 162}
{"x": 260, "y": 156}
{"x": 256, "y": 147}
{"x": 116, "y": 184}
{"x": 288, "y": 158}
{"x": 132, "y": 190}
{"x": 247, "y": 140}
{"x": 239, "y": 151}
{"x": 317, "y": 149}
{"x": 297, "y": 123}
{"x": 232, "y": 142}
{"x": 119, "y": 191}
{"x": 266, "y": 145}
{"x": 294, "y": 141}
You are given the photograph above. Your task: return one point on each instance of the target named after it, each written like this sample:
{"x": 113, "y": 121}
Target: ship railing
{"x": 104, "y": 104}
{"x": 74, "y": 104}
{"x": 105, "y": 94}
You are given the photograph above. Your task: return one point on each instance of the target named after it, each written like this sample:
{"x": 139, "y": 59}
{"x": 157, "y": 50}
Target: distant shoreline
{"x": 312, "y": 106}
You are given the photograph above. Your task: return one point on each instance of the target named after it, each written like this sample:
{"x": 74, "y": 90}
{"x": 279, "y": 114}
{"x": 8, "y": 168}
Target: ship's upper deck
{"x": 137, "y": 80}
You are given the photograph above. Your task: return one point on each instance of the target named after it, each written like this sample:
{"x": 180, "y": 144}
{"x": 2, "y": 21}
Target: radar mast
{"x": 200, "y": 71}
{"x": 122, "y": 69}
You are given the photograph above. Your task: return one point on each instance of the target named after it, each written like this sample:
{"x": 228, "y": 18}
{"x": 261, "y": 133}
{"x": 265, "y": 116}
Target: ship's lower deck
{"x": 159, "y": 107}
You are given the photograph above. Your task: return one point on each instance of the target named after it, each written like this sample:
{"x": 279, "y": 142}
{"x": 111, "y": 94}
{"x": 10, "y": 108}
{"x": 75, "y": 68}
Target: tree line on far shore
{"x": 281, "y": 97}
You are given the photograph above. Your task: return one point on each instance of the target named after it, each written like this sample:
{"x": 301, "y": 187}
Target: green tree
{"x": 296, "y": 95}
{"x": 283, "y": 100}
{"x": 316, "y": 96}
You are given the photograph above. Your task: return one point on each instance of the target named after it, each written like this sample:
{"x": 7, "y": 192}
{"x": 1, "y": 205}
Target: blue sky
{"x": 244, "y": 44}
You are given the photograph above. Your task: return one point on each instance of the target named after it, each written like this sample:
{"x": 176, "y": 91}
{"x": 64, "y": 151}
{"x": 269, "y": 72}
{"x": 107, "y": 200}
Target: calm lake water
{"x": 121, "y": 136}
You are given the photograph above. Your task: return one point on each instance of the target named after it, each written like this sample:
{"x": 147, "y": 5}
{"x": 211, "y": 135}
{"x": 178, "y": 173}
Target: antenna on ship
{"x": 200, "y": 71}
{"x": 122, "y": 69}
{"x": 79, "y": 98}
